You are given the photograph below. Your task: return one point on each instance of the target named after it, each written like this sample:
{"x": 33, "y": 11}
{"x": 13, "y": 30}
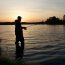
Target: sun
{"x": 23, "y": 14}
{"x": 18, "y": 13}
{"x": 26, "y": 16}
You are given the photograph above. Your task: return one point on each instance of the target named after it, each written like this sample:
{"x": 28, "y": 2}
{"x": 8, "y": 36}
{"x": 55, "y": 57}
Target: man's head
{"x": 19, "y": 18}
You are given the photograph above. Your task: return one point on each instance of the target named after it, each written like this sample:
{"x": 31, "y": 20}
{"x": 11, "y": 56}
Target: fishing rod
{"x": 27, "y": 26}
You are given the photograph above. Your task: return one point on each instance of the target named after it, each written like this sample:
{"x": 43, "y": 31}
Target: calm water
{"x": 42, "y": 42}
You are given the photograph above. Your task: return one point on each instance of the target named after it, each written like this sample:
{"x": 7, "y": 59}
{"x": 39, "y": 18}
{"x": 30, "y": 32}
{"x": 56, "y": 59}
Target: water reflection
{"x": 19, "y": 52}
{"x": 41, "y": 42}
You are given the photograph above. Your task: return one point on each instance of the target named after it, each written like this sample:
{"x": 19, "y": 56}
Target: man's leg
{"x": 22, "y": 46}
{"x": 17, "y": 48}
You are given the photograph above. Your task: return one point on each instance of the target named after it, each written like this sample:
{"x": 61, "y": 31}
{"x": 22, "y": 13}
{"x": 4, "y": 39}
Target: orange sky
{"x": 31, "y": 10}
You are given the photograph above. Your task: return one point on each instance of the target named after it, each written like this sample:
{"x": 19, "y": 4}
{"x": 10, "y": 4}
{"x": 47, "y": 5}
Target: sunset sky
{"x": 31, "y": 10}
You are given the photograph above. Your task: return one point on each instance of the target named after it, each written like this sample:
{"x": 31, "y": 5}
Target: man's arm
{"x": 25, "y": 28}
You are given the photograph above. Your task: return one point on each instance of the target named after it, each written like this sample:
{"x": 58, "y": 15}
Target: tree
{"x": 64, "y": 17}
{"x": 53, "y": 20}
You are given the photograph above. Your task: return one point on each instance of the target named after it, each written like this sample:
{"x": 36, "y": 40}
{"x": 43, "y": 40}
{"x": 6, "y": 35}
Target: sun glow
{"x": 26, "y": 16}
{"x": 19, "y": 13}
{"x": 30, "y": 10}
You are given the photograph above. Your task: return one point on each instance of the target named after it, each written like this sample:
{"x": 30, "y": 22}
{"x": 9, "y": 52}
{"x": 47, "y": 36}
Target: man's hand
{"x": 25, "y": 28}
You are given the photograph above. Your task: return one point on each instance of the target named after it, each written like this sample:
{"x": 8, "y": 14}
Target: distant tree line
{"x": 51, "y": 21}
{"x": 54, "y": 20}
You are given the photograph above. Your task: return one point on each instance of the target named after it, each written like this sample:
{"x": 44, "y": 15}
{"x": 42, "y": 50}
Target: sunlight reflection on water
{"x": 41, "y": 41}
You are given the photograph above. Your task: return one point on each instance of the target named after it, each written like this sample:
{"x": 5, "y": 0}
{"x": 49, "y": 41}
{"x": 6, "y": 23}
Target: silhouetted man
{"x": 19, "y": 37}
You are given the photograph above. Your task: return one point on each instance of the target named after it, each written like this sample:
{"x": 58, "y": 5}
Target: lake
{"x": 43, "y": 43}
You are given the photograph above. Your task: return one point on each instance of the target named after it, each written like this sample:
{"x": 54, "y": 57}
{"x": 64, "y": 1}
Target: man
{"x": 19, "y": 36}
